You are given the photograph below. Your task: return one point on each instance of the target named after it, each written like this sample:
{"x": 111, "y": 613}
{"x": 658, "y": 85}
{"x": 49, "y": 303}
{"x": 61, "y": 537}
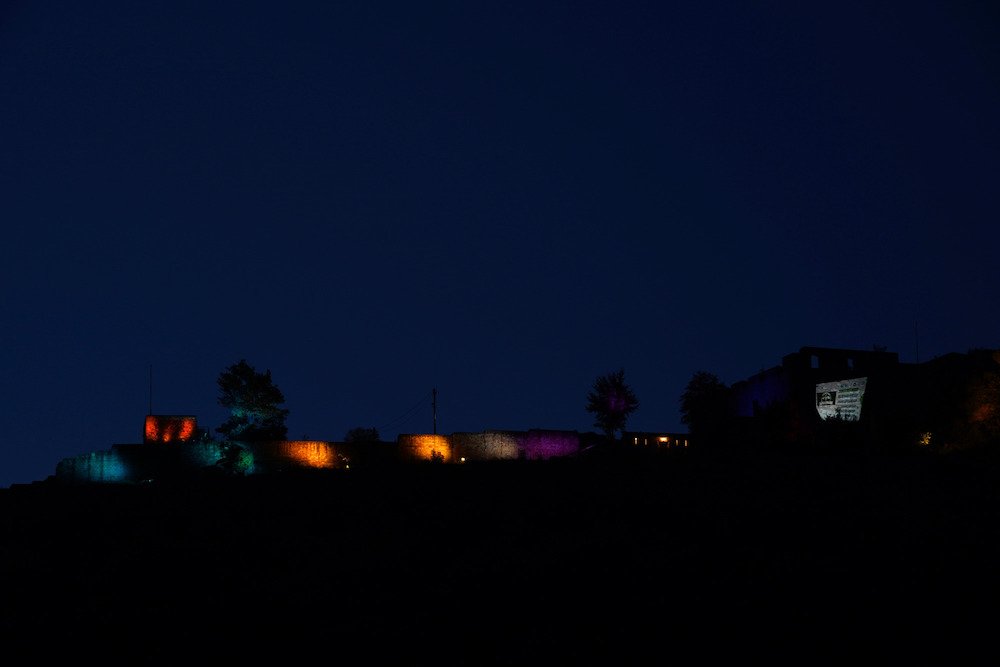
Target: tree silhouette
{"x": 611, "y": 401}
{"x": 362, "y": 434}
{"x": 705, "y": 407}
{"x": 254, "y": 403}
{"x": 235, "y": 460}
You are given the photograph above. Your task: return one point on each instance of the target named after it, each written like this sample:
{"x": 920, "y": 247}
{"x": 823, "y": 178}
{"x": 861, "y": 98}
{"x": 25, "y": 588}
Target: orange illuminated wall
{"x": 426, "y": 447}
{"x": 169, "y": 428}
{"x": 309, "y": 453}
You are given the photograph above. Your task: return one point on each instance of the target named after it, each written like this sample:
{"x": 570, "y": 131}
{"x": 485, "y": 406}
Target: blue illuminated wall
{"x": 105, "y": 467}
{"x": 133, "y": 463}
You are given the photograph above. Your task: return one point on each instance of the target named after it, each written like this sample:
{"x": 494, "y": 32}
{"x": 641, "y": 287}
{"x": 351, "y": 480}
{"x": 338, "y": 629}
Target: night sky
{"x": 499, "y": 200}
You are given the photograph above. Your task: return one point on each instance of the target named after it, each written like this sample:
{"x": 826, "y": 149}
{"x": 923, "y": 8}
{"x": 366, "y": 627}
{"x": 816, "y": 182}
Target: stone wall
{"x": 534, "y": 444}
{"x": 425, "y": 447}
{"x": 538, "y": 444}
{"x": 133, "y": 463}
{"x": 293, "y": 454}
{"x": 487, "y": 445}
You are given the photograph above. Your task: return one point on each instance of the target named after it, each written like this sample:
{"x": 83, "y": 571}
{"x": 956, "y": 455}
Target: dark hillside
{"x": 603, "y": 559}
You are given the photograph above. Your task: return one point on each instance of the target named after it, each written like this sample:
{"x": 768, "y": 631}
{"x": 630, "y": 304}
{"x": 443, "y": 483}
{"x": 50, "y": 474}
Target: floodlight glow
{"x": 309, "y": 453}
{"x": 168, "y": 428}
{"x": 428, "y": 447}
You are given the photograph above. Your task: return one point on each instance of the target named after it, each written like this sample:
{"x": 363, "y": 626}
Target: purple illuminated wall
{"x": 539, "y": 444}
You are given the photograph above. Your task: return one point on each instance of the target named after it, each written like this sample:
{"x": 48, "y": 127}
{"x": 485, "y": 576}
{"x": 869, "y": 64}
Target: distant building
{"x": 890, "y": 401}
{"x": 793, "y": 394}
{"x": 657, "y": 439}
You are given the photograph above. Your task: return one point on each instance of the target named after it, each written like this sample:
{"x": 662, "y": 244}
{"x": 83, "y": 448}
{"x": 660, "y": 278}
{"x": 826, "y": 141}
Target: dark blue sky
{"x": 500, "y": 200}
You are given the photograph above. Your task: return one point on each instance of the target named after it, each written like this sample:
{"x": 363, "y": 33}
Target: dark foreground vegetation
{"x": 617, "y": 557}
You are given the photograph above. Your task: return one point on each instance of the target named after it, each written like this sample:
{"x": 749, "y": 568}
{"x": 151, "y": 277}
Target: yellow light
{"x": 925, "y": 438}
{"x": 463, "y": 459}
{"x": 664, "y": 438}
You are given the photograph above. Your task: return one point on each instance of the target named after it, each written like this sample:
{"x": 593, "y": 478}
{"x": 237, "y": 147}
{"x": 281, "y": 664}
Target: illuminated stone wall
{"x": 535, "y": 444}
{"x": 425, "y": 447}
{"x": 131, "y": 464}
{"x": 103, "y": 467}
{"x": 294, "y": 455}
{"x": 540, "y": 444}
{"x": 169, "y": 428}
{"x": 199, "y": 454}
{"x": 486, "y": 446}
{"x": 136, "y": 463}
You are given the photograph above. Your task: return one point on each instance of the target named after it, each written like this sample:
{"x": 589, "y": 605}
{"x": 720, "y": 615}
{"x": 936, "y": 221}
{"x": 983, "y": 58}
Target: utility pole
{"x": 434, "y": 406}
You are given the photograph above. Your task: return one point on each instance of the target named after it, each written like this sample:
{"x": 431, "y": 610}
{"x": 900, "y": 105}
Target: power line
{"x": 408, "y": 413}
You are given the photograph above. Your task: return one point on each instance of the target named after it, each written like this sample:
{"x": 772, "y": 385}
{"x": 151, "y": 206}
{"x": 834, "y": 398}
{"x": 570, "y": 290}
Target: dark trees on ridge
{"x": 705, "y": 407}
{"x": 611, "y": 401}
{"x": 362, "y": 434}
{"x": 254, "y": 403}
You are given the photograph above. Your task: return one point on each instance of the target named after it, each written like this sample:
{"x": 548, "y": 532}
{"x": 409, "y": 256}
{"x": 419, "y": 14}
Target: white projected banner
{"x": 840, "y": 399}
